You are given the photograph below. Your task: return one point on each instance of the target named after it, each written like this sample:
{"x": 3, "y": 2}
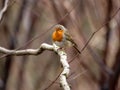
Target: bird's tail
{"x": 77, "y": 49}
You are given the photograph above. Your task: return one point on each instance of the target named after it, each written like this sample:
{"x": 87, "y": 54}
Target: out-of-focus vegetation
{"x": 27, "y": 24}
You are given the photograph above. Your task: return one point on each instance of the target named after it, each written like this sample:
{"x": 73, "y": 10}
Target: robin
{"x": 62, "y": 38}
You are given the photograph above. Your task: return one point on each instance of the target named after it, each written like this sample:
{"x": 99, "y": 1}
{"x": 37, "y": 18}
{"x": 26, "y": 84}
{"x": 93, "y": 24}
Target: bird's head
{"x": 59, "y": 28}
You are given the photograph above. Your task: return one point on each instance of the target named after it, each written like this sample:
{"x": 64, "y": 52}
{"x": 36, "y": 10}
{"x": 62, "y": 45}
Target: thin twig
{"x": 90, "y": 38}
{"x": 78, "y": 75}
{"x": 53, "y": 81}
{"x": 98, "y": 30}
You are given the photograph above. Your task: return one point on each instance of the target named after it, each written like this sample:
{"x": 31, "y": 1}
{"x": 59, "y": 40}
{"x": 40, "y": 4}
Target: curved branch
{"x": 44, "y": 46}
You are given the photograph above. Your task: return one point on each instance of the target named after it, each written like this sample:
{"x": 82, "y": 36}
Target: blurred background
{"x": 28, "y": 24}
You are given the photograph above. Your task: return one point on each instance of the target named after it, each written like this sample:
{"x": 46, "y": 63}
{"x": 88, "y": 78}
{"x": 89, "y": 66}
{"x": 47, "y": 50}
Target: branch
{"x": 27, "y": 51}
{"x": 4, "y": 9}
{"x": 100, "y": 28}
{"x": 44, "y": 46}
{"x": 66, "y": 67}
{"x": 66, "y": 70}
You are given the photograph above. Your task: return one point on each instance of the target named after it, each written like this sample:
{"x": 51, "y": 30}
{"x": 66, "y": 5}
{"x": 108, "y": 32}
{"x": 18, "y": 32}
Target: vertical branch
{"x": 3, "y": 9}
{"x": 66, "y": 70}
{"x": 13, "y": 44}
{"x": 109, "y": 8}
{"x": 28, "y": 21}
{"x": 113, "y": 81}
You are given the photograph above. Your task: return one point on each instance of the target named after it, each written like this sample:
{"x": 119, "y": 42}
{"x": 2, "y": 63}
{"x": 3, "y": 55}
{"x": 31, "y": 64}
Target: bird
{"x": 62, "y": 38}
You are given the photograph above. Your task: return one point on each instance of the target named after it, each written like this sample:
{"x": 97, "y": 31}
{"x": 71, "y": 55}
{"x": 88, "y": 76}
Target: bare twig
{"x": 3, "y": 9}
{"x": 78, "y": 75}
{"x": 100, "y": 28}
{"x": 53, "y": 81}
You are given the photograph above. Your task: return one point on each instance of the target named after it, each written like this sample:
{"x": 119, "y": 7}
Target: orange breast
{"x": 57, "y": 36}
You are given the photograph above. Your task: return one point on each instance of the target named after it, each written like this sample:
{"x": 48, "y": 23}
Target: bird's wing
{"x": 69, "y": 38}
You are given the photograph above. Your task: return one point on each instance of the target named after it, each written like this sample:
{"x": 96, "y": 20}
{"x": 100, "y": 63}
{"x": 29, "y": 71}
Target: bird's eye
{"x": 58, "y": 29}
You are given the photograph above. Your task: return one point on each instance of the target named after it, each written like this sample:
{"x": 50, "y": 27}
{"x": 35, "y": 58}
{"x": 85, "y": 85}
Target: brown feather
{"x": 69, "y": 38}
